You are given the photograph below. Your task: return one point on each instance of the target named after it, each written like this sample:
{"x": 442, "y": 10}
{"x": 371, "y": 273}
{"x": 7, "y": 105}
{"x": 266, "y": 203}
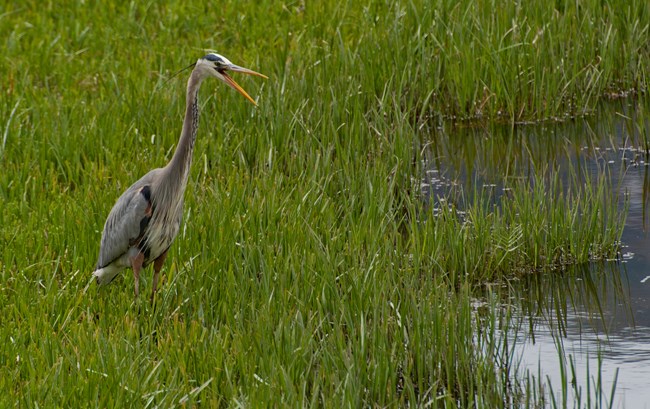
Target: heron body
{"x": 147, "y": 217}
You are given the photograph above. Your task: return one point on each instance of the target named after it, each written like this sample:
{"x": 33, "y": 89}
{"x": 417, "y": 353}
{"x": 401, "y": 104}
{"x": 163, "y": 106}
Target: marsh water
{"x": 582, "y": 335}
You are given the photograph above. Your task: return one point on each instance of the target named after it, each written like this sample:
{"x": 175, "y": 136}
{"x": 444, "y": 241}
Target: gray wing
{"x": 127, "y": 220}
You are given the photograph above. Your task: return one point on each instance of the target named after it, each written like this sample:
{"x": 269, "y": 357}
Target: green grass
{"x": 309, "y": 271}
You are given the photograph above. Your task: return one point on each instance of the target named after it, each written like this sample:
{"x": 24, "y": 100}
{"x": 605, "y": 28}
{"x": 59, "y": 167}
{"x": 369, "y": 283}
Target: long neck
{"x": 179, "y": 166}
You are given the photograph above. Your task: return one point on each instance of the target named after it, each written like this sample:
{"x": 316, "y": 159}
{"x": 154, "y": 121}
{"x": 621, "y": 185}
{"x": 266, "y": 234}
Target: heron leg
{"x": 157, "y": 266}
{"x": 136, "y": 265}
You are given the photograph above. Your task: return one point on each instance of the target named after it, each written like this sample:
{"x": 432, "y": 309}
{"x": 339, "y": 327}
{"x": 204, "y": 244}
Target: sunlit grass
{"x": 309, "y": 271}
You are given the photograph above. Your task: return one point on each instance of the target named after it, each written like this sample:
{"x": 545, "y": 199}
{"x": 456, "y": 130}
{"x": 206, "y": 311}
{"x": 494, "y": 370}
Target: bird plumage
{"x": 146, "y": 218}
{"x": 126, "y": 224}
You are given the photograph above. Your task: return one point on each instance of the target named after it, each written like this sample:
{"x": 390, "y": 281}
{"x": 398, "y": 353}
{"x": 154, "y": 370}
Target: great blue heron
{"x": 146, "y": 218}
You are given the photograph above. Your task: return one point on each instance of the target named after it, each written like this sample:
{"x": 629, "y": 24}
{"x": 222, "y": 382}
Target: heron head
{"x": 215, "y": 65}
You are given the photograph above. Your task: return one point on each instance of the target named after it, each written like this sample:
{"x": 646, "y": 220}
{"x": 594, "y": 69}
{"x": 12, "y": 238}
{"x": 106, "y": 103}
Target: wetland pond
{"x": 581, "y": 335}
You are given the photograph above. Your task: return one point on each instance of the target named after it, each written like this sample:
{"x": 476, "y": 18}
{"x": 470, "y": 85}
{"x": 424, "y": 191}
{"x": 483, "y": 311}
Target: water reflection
{"x": 589, "y": 316}
{"x": 588, "y": 327}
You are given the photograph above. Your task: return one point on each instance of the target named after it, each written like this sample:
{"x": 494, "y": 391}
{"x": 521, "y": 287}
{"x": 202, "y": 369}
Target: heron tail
{"x": 106, "y": 274}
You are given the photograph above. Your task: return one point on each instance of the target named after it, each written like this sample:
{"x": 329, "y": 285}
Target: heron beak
{"x": 228, "y": 80}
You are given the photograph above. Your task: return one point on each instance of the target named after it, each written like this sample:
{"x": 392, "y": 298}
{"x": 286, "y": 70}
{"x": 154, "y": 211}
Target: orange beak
{"x": 231, "y": 82}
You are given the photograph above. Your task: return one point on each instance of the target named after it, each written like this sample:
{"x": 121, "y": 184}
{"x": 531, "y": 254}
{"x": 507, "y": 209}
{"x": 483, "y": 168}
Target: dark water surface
{"x": 585, "y": 331}
{"x": 607, "y": 320}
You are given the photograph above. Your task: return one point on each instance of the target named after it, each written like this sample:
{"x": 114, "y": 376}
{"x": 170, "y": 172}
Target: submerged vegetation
{"x": 312, "y": 269}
